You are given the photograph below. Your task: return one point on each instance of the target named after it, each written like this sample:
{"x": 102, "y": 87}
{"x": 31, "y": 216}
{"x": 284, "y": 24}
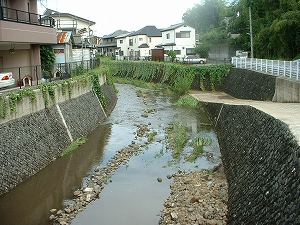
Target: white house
{"x": 179, "y": 37}
{"x": 138, "y": 45}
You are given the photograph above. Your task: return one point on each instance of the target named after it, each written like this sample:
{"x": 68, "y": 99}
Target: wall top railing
{"x": 276, "y": 67}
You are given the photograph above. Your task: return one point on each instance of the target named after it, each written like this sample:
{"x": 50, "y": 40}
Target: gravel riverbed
{"x": 197, "y": 198}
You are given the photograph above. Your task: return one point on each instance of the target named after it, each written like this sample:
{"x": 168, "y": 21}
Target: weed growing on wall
{"x": 3, "y": 106}
{"x": 14, "y": 97}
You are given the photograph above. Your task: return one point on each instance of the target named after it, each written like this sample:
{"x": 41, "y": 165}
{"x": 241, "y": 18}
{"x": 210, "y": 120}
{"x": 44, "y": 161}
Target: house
{"x": 76, "y": 44}
{"x": 81, "y": 28}
{"x": 138, "y": 45}
{"x": 22, "y": 33}
{"x": 179, "y": 37}
{"x": 108, "y": 44}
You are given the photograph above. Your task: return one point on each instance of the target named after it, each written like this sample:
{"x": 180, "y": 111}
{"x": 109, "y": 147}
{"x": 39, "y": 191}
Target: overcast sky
{"x": 130, "y": 15}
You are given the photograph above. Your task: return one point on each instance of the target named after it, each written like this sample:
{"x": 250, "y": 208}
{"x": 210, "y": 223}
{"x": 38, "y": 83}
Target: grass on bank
{"x": 74, "y": 145}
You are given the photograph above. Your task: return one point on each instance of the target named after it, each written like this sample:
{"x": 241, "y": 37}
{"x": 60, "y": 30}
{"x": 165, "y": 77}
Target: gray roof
{"x": 115, "y": 34}
{"x": 174, "y": 26}
{"x": 150, "y": 31}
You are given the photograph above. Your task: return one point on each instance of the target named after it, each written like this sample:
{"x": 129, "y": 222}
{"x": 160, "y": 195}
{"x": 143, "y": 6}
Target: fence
{"x": 34, "y": 75}
{"x": 277, "y": 67}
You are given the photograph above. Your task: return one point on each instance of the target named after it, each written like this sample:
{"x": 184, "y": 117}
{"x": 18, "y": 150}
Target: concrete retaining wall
{"x": 34, "y": 136}
{"x": 261, "y": 161}
{"x": 255, "y": 85}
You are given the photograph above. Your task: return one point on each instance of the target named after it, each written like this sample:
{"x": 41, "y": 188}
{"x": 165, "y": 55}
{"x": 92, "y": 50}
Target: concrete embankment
{"x": 34, "y": 136}
{"x": 259, "y": 142}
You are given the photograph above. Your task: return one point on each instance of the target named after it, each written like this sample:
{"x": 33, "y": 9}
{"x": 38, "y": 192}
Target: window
{"x": 130, "y": 42}
{"x": 183, "y": 34}
{"x": 178, "y": 52}
{"x": 121, "y": 41}
{"x": 190, "y": 51}
{"x": 150, "y": 40}
{"x": 166, "y": 52}
{"x": 140, "y": 39}
{"x": 168, "y": 35}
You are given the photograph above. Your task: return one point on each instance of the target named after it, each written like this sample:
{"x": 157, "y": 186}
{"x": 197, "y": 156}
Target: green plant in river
{"x": 176, "y": 136}
{"x": 198, "y": 143}
{"x": 74, "y": 145}
{"x": 187, "y": 100}
{"x": 150, "y": 136}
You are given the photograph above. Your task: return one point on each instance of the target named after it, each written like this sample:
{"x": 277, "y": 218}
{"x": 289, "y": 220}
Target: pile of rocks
{"x": 197, "y": 198}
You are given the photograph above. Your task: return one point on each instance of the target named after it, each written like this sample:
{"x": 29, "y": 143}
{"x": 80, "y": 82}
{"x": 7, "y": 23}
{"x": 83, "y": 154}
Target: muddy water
{"x": 133, "y": 195}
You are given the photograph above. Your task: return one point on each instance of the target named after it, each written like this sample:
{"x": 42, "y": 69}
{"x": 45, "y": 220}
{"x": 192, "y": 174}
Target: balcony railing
{"x": 20, "y": 16}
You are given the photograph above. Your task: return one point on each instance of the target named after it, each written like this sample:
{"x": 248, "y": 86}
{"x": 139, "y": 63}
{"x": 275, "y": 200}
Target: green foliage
{"x": 97, "y": 88}
{"x": 187, "y": 100}
{"x": 276, "y": 27}
{"x": 198, "y": 143}
{"x": 172, "y": 54}
{"x": 47, "y": 58}
{"x": 176, "y": 135}
{"x": 79, "y": 70}
{"x": 202, "y": 50}
{"x": 74, "y": 145}
{"x": 150, "y": 136}
{"x": 179, "y": 76}
{"x": 3, "y": 106}
{"x": 13, "y": 98}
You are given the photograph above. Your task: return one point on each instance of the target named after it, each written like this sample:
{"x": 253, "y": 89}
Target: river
{"x": 133, "y": 195}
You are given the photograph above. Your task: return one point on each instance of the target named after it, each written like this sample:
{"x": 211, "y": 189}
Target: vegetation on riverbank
{"x": 179, "y": 77}
{"x": 74, "y": 145}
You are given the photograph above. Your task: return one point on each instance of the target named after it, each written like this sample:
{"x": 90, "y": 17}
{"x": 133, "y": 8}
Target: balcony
{"x": 26, "y": 27}
{"x": 20, "y": 16}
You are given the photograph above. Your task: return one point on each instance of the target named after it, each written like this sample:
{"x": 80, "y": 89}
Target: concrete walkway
{"x": 289, "y": 113}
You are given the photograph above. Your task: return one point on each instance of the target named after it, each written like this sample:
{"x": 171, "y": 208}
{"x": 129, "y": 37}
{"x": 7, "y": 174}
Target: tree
{"x": 47, "y": 58}
{"x": 202, "y": 50}
{"x": 172, "y": 54}
{"x": 276, "y": 27}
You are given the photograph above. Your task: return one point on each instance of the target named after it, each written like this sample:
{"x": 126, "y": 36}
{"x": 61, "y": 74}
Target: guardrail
{"x": 277, "y": 67}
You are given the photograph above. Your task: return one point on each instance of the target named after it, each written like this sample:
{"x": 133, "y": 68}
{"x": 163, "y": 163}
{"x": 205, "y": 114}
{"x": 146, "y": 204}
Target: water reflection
{"x": 134, "y": 196}
{"x": 30, "y": 202}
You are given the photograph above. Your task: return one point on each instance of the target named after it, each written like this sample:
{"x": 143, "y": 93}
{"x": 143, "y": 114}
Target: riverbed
{"x": 132, "y": 195}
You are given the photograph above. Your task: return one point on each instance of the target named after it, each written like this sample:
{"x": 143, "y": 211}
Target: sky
{"x": 129, "y": 15}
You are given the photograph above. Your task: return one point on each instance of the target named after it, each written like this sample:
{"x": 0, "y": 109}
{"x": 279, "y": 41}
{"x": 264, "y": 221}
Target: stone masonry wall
{"x": 31, "y": 142}
{"x": 249, "y": 84}
{"x": 261, "y": 162}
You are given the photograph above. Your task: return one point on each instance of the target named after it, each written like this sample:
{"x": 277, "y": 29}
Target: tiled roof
{"x": 150, "y": 31}
{"x": 63, "y": 37}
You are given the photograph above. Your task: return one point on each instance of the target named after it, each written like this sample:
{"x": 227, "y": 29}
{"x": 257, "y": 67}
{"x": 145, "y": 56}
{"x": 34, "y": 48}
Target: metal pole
{"x": 251, "y": 32}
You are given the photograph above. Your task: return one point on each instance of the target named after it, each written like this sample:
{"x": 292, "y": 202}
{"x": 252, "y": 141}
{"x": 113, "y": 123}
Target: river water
{"x": 133, "y": 195}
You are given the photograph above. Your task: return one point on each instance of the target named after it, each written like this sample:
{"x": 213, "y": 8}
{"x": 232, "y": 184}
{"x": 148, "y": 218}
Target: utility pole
{"x": 251, "y": 32}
